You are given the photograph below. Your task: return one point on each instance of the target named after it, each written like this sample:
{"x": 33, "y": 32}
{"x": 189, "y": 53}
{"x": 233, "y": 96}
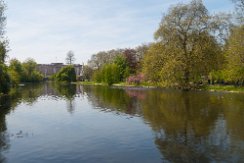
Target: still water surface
{"x": 57, "y": 123}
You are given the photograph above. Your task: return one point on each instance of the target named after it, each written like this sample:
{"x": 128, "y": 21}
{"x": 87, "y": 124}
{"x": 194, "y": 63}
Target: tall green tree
{"x": 16, "y": 71}
{"x": 30, "y": 72}
{"x": 123, "y": 67}
{"x": 4, "y": 77}
{"x": 235, "y": 56}
{"x": 186, "y": 34}
{"x": 153, "y": 62}
{"x": 109, "y": 74}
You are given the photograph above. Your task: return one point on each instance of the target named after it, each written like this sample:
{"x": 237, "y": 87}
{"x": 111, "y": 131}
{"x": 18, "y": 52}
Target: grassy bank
{"x": 224, "y": 88}
{"x": 90, "y": 83}
{"x": 144, "y": 85}
{"x": 212, "y": 88}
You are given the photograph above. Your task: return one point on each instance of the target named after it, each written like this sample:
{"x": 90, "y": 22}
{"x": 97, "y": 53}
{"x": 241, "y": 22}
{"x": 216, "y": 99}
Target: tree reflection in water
{"x": 68, "y": 92}
{"x": 188, "y": 126}
{"x": 29, "y": 94}
{"x": 5, "y": 106}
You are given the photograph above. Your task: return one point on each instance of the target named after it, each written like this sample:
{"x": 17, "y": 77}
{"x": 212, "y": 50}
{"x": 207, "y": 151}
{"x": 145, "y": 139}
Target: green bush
{"x": 109, "y": 74}
{"x": 66, "y": 74}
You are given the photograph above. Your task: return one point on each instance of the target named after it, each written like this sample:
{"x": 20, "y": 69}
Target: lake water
{"x": 58, "y": 123}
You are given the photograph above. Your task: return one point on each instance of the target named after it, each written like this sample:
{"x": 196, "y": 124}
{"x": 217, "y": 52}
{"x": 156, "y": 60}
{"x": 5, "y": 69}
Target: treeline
{"x": 114, "y": 66}
{"x": 17, "y": 73}
{"x": 23, "y": 72}
{"x": 192, "y": 48}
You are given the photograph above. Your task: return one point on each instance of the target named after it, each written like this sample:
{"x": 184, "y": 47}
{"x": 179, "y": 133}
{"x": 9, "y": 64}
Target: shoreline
{"x": 209, "y": 88}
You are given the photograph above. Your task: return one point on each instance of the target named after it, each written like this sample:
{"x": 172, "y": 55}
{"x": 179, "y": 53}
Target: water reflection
{"x": 116, "y": 100}
{"x": 4, "y": 140}
{"x": 187, "y": 126}
{"x": 68, "y": 92}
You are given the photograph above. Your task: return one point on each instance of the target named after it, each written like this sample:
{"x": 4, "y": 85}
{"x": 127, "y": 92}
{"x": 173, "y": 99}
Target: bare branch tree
{"x": 70, "y": 58}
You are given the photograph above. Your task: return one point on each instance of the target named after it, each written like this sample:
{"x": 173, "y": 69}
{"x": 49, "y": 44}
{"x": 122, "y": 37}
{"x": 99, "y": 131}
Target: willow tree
{"x": 187, "y": 34}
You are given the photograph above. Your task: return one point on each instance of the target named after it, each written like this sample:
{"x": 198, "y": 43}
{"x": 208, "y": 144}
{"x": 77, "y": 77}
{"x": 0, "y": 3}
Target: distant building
{"x": 49, "y": 69}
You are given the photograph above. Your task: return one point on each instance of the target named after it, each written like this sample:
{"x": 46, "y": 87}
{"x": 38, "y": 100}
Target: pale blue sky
{"x": 47, "y": 29}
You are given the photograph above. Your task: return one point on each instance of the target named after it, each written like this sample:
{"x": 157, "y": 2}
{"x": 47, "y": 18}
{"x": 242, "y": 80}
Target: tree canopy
{"x": 66, "y": 74}
{"x": 189, "y": 46}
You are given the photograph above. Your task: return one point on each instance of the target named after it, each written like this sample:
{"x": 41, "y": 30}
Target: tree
{"x": 109, "y": 74}
{"x": 3, "y": 50}
{"x": 186, "y": 34}
{"x": 104, "y": 57}
{"x": 29, "y": 66}
{"x": 30, "y": 72}
{"x": 4, "y": 77}
{"x": 16, "y": 71}
{"x": 132, "y": 60}
{"x": 153, "y": 62}
{"x": 3, "y": 41}
{"x": 66, "y": 74}
{"x": 123, "y": 67}
{"x": 235, "y": 56}
{"x": 87, "y": 73}
{"x": 239, "y": 10}
{"x": 70, "y": 58}
{"x": 140, "y": 53}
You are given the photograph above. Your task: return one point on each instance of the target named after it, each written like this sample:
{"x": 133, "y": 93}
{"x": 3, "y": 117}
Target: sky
{"x": 46, "y": 30}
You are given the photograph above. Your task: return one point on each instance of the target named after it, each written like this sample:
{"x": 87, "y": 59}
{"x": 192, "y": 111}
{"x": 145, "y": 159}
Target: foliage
{"x": 123, "y": 67}
{"x": 114, "y": 72}
{"x": 3, "y": 51}
{"x": 66, "y": 74}
{"x": 23, "y": 72}
{"x": 140, "y": 54}
{"x": 30, "y": 73}
{"x": 16, "y": 72}
{"x": 4, "y": 79}
{"x": 109, "y": 74}
{"x": 217, "y": 76}
{"x": 131, "y": 58}
{"x": 235, "y": 56}
{"x": 104, "y": 57}
{"x": 70, "y": 58}
{"x": 190, "y": 51}
{"x": 153, "y": 62}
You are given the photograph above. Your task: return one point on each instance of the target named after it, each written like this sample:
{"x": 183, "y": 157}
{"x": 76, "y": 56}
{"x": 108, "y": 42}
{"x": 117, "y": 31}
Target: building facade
{"x": 49, "y": 69}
